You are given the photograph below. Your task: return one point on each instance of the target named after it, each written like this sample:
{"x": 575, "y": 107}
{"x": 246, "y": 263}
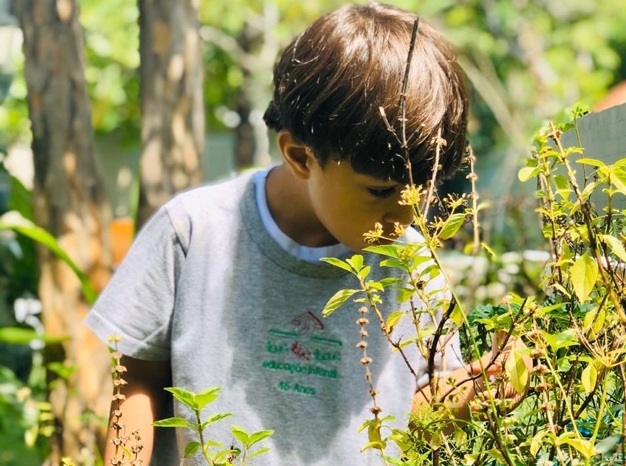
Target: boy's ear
{"x": 296, "y": 154}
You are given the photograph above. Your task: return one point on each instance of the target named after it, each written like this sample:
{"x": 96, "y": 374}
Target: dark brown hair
{"x": 330, "y": 82}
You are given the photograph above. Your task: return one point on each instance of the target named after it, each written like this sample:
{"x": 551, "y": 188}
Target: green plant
{"x": 572, "y": 320}
{"x": 196, "y": 402}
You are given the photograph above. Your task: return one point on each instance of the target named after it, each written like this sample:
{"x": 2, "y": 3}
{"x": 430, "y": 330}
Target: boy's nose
{"x": 401, "y": 214}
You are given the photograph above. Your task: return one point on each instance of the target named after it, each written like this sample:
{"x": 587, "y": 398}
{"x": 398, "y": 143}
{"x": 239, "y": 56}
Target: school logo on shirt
{"x": 301, "y": 354}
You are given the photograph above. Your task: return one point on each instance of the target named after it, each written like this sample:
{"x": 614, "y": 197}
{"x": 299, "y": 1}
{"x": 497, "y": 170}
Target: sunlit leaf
{"x": 585, "y": 447}
{"x": 184, "y": 396}
{"x": 535, "y": 443}
{"x": 584, "y": 274}
{"x": 594, "y": 321}
{"x": 589, "y": 377}
{"x": 41, "y": 236}
{"x": 390, "y": 250}
{"x": 23, "y": 336}
{"x": 451, "y": 226}
{"x": 517, "y": 371}
{"x": 615, "y": 245}
{"x": 205, "y": 397}
{"x": 337, "y": 300}
{"x": 561, "y": 340}
{"x": 618, "y": 178}
{"x": 338, "y": 263}
{"x": 240, "y": 434}
{"x": 191, "y": 448}
{"x": 172, "y": 422}
{"x": 356, "y": 262}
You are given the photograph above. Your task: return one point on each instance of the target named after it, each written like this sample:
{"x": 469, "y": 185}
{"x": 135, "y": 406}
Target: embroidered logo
{"x": 302, "y": 354}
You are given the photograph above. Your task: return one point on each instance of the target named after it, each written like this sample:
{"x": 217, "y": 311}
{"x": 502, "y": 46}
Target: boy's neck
{"x": 289, "y": 203}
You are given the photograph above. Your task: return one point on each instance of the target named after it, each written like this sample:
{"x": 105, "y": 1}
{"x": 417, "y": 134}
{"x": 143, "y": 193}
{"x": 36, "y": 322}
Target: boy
{"x": 224, "y": 287}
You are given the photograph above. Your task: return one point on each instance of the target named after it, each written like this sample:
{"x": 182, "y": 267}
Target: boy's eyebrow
{"x": 371, "y": 181}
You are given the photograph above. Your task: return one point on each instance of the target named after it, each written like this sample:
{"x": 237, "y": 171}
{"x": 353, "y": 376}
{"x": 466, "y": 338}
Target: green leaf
{"x": 373, "y": 431}
{"x": 215, "y": 418}
{"x": 615, "y": 246}
{"x": 589, "y": 377}
{"x": 393, "y": 263}
{"x": 589, "y": 190}
{"x": 191, "y": 448}
{"x": 594, "y": 321}
{"x": 41, "y": 236}
{"x": 457, "y": 315}
{"x": 356, "y": 262}
{"x": 390, "y": 250}
{"x": 184, "y": 396}
{"x": 584, "y": 274}
{"x": 561, "y": 340}
{"x": 374, "y": 445}
{"x": 240, "y": 434}
{"x": 376, "y": 286}
{"x": 561, "y": 183}
{"x": 337, "y": 300}
{"x": 585, "y": 447}
{"x": 259, "y": 436}
{"x": 589, "y": 161}
{"x": 205, "y": 397}
{"x": 364, "y": 272}
{"x": 517, "y": 371}
{"x": 535, "y": 443}
{"x": 23, "y": 336}
{"x": 451, "y": 226}
{"x": 618, "y": 178}
{"x": 393, "y": 320}
{"x": 338, "y": 263}
{"x": 172, "y": 422}
{"x": 527, "y": 173}
{"x": 496, "y": 455}
{"x": 260, "y": 451}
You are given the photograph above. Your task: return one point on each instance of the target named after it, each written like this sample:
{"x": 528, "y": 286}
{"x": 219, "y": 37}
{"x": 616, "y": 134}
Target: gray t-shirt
{"x": 207, "y": 288}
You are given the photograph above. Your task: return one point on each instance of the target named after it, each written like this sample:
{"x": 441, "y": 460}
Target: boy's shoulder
{"x": 221, "y": 192}
{"x": 211, "y": 207}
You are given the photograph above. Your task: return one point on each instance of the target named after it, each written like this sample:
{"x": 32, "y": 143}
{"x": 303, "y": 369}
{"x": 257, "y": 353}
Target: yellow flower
{"x": 410, "y": 195}
{"x": 374, "y": 235}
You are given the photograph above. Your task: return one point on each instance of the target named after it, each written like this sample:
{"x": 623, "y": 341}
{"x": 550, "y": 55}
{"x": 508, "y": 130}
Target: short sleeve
{"x": 138, "y": 302}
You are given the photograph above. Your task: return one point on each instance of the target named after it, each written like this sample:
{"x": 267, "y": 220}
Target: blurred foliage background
{"x": 526, "y": 61}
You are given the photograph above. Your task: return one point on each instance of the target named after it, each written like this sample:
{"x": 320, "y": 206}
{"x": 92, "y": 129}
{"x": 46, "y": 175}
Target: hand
{"x": 493, "y": 365}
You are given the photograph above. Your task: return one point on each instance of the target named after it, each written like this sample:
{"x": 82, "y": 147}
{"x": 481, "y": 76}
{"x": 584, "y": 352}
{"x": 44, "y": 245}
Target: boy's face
{"x": 349, "y": 204}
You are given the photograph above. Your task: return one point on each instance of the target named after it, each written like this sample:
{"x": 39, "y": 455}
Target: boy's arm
{"x": 145, "y": 402}
{"x": 463, "y": 392}
{"x": 468, "y": 381}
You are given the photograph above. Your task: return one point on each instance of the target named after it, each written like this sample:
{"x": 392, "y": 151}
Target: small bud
{"x": 542, "y": 387}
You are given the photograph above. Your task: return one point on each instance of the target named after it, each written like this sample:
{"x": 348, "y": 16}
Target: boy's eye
{"x": 381, "y": 192}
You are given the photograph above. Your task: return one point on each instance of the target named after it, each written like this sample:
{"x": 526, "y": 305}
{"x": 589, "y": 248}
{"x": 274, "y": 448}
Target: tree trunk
{"x": 172, "y": 103}
{"x": 70, "y": 203}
